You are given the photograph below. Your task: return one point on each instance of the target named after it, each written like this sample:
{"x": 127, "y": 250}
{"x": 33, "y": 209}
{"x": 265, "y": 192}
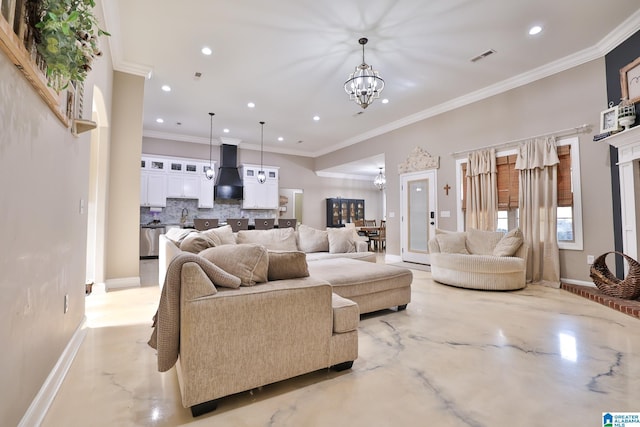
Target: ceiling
{"x": 291, "y": 58}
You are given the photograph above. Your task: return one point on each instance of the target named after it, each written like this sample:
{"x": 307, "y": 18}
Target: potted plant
{"x": 67, "y": 38}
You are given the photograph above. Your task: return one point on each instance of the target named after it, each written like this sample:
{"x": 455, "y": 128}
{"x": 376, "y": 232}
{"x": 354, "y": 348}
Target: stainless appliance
{"x": 149, "y": 240}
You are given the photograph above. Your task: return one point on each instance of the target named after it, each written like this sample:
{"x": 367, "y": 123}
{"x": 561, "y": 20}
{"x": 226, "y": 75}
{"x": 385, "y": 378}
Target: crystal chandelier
{"x": 262, "y": 177}
{"x": 380, "y": 181}
{"x": 209, "y": 172}
{"x": 364, "y": 84}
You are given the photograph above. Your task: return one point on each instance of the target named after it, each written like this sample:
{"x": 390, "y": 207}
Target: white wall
{"x": 44, "y": 174}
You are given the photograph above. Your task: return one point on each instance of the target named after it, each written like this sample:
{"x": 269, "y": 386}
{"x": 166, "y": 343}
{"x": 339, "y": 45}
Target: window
{"x": 503, "y": 221}
{"x": 569, "y": 213}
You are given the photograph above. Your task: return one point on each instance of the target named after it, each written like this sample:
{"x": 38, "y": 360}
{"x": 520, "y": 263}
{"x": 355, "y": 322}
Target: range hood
{"x": 228, "y": 182}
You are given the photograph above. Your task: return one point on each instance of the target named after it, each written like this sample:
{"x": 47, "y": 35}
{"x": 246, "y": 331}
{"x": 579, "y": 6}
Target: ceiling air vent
{"x": 483, "y": 55}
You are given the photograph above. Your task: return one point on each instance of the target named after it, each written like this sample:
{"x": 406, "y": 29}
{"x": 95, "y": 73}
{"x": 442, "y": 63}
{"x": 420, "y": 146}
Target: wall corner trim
{"x": 40, "y": 405}
{"x": 122, "y": 283}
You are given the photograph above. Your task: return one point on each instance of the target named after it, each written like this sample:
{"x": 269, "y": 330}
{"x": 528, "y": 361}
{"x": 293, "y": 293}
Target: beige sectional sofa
{"x": 248, "y": 309}
{"x": 229, "y": 338}
{"x": 317, "y": 244}
{"x": 479, "y": 259}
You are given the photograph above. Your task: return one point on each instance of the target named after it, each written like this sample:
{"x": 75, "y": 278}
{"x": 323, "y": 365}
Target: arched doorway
{"x": 97, "y": 194}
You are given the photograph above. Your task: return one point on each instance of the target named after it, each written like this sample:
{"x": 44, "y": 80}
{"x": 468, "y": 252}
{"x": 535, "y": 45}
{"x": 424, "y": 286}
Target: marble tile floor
{"x": 455, "y": 357}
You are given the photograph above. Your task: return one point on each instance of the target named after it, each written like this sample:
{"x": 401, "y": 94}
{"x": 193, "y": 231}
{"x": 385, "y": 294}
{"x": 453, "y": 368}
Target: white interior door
{"x": 419, "y": 214}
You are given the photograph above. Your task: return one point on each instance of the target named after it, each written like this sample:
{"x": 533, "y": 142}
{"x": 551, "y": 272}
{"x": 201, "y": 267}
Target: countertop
{"x": 162, "y": 225}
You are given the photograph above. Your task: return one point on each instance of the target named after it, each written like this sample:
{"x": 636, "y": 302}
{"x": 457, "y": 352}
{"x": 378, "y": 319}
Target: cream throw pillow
{"x": 196, "y": 242}
{"x": 341, "y": 240}
{"x": 452, "y": 243}
{"x": 312, "y": 240}
{"x": 287, "y": 265}
{"x": 249, "y": 262}
{"x": 221, "y": 235}
{"x": 177, "y": 235}
{"x": 509, "y": 243}
{"x": 481, "y": 242}
{"x": 278, "y": 239}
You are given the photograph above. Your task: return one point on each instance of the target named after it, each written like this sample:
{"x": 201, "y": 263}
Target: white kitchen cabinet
{"x": 256, "y": 195}
{"x": 182, "y": 186}
{"x": 153, "y": 189}
{"x": 205, "y": 200}
{"x": 153, "y": 164}
{"x": 174, "y": 178}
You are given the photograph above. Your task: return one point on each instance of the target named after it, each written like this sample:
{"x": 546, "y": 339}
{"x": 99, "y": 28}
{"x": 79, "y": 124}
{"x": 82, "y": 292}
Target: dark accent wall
{"x": 622, "y": 55}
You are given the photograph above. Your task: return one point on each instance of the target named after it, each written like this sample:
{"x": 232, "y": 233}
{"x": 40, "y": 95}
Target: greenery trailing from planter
{"x": 67, "y": 39}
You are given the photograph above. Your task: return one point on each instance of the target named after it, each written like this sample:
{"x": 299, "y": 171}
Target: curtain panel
{"x": 482, "y": 190}
{"x": 537, "y": 161}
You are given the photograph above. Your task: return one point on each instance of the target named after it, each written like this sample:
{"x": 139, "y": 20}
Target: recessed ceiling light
{"x": 159, "y": 120}
{"x": 206, "y": 51}
{"x": 536, "y": 29}
{"x": 385, "y": 101}
{"x": 316, "y": 118}
{"x": 251, "y": 105}
{"x": 280, "y": 139}
{"x": 166, "y": 88}
{"x": 225, "y": 130}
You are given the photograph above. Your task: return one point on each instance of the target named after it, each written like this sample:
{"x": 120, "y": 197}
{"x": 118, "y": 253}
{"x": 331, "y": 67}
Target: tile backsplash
{"x": 222, "y": 210}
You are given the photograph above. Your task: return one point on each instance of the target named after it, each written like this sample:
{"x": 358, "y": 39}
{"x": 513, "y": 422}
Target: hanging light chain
{"x": 209, "y": 173}
{"x": 262, "y": 177}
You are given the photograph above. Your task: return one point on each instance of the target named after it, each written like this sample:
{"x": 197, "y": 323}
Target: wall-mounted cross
{"x": 446, "y": 189}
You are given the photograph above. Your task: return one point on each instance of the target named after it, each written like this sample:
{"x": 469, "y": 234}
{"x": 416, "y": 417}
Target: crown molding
{"x": 341, "y": 175}
{"x": 112, "y": 24}
{"x": 221, "y": 140}
{"x": 621, "y": 33}
{"x": 625, "y": 30}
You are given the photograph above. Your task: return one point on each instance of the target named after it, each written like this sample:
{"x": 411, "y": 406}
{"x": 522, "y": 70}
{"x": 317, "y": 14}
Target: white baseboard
{"x": 41, "y": 403}
{"x": 390, "y": 258}
{"x": 577, "y": 282}
{"x": 123, "y": 283}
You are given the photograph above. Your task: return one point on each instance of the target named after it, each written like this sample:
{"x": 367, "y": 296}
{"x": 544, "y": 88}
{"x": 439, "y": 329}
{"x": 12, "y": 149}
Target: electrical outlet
{"x": 590, "y": 259}
{"x": 66, "y": 303}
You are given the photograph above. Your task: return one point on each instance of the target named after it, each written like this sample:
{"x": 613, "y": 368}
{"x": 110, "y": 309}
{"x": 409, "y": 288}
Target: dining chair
{"x": 369, "y": 222}
{"x": 202, "y": 224}
{"x": 380, "y": 240}
{"x": 287, "y": 222}
{"x": 264, "y": 223}
{"x": 238, "y": 224}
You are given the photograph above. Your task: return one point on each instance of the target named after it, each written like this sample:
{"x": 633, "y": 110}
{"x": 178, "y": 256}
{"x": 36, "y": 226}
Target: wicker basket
{"x": 627, "y": 288}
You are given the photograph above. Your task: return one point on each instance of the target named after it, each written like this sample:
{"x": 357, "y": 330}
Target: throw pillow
{"x": 221, "y": 235}
{"x": 287, "y": 265}
{"x": 341, "y": 240}
{"x": 278, "y": 239}
{"x": 452, "y": 243}
{"x": 312, "y": 240}
{"x": 249, "y": 262}
{"x": 509, "y": 244}
{"x": 176, "y": 235}
{"x": 481, "y": 242}
{"x": 195, "y": 242}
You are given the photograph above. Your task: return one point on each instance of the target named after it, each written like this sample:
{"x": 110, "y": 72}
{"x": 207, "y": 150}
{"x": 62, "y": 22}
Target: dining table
{"x": 369, "y": 232}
